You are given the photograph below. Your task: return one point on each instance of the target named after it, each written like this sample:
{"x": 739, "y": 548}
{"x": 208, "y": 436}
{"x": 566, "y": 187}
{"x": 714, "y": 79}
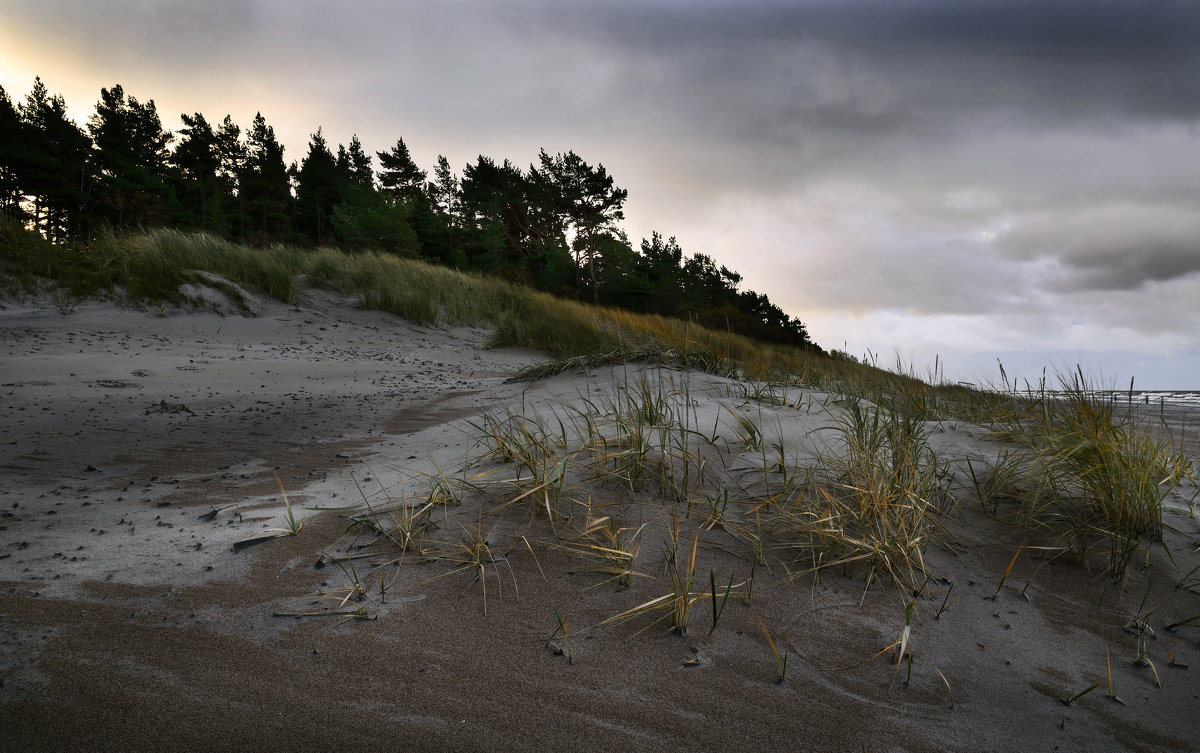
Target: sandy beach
{"x": 139, "y": 611}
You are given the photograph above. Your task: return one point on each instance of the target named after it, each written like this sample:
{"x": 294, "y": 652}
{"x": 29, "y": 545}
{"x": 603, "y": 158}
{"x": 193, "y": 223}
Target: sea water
{"x": 1189, "y": 398}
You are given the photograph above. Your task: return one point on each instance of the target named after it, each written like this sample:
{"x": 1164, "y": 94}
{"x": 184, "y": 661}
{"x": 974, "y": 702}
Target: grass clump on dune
{"x": 1084, "y": 475}
{"x": 141, "y": 268}
{"x": 1088, "y": 475}
{"x": 875, "y": 500}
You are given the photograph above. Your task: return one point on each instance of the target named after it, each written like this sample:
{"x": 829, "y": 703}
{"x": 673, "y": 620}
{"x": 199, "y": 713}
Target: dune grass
{"x": 148, "y": 268}
{"x": 875, "y": 498}
{"x": 1087, "y": 473}
{"x": 634, "y": 469}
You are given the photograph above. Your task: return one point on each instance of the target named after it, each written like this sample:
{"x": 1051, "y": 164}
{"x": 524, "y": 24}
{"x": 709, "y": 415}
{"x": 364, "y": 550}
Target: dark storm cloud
{"x": 775, "y": 72}
{"x": 911, "y": 96}
{"x": 1123, "y": 247}
{"x": 1086, "y": 54}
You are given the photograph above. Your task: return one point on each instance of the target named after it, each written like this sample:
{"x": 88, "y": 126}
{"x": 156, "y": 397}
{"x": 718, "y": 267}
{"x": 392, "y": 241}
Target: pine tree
{"x": 660, "y": 266}
{"x": 359, "y": 169}
{"x": 204, "y": 195}
{"x": 404, "y": 184}
{"x": 131, "y": 153}
{"x": 445, "y": 193}
{"x": 320, "y": 187}
{"x": 398, "y": 174}
{"x": 367, "y": 217}
{"x": 57, "y": 176}
{"x": 14, "y": 155}
{"x": 508, "y": 216}
{"x": 590, "y": 202}
{"x": 263, "y": 184}
{"x": 616, "y": 268}
{"x": 231, "y": 166}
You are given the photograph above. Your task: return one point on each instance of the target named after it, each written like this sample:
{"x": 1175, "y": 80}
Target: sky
{"x": 964, "y": 183}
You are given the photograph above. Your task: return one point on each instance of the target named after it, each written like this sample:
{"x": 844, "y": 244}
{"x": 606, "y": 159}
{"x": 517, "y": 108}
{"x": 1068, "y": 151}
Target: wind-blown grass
{"x": 875, "y": 500}
{"x": 1088, "y": 474}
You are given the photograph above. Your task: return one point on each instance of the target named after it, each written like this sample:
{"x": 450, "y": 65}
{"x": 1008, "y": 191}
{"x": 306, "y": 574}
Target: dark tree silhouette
{"x": 14, "y": 156}
{"x": 320, "y": 186}
{"x": 131, "y": 156}
{"x": 589, "y": 201}
{"x": 204, "y": 188}
{"x": 263, "y": 184}
{"x": 555, "y": 227}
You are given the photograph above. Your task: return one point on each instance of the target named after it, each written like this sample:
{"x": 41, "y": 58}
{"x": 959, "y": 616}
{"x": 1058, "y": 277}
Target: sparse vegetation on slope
{"x": 666, "y": 489}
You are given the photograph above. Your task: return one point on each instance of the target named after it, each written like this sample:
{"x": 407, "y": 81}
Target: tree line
{"x": 554, "y": 226}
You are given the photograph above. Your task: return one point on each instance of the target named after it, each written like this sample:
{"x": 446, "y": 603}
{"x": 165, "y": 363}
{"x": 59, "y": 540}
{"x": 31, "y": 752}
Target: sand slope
{"x": 139, "y": 449}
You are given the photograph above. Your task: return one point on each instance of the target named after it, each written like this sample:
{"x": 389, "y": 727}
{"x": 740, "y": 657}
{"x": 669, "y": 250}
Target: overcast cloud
{"x": 975, "y": 180}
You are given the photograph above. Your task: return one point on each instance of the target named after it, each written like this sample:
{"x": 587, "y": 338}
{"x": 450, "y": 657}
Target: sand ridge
{"x": 139, "y": 449}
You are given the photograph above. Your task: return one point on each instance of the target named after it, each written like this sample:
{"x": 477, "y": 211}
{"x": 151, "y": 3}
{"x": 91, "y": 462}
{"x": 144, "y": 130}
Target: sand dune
{"x": 140, "y": 452}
